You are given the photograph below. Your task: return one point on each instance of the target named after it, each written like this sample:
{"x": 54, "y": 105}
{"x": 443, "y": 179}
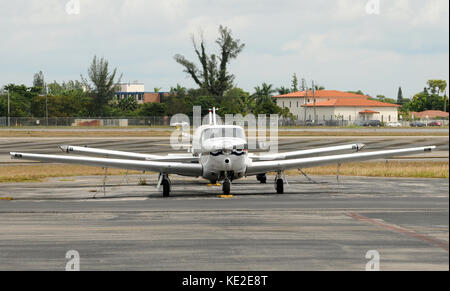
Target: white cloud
{"x": 334, "y": 42}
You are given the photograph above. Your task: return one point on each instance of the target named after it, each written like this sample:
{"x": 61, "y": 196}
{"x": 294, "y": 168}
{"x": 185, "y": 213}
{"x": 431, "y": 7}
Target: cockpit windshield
{"x": 223, "y": 132}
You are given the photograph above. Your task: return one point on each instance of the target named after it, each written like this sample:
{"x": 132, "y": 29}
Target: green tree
{"x": 103, "y": 86}
{"x": 383, "y": 98}
{"x": 319, "y": 87}
{"x": 213, "y": 75}
{"x": 153, "y": 109}
{"x": 359, "y": 92}
{"x": 233, "y": 102}
{"x": 294, "y": 87}
{"x": 400, "y": 100}
{"x": 20, "y": 100}
{"x": 430, "y": 98}
{"x": 283, "y": 90}
{"x": 39, "y": 82}
{"x": 127, "y": 104}
{"x": 265, "y": 103}
{"x": 437, "y": 86}
{"x": 264, "y": 90}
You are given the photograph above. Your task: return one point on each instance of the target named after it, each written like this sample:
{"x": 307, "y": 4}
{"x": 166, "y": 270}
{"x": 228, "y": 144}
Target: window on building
{"x": 297, "y": 104}
{"x": 349, "y": 118}
{"x": 389, "y": 117}
{"x": 290, "y": 104}
{"x": 283, "y": 104}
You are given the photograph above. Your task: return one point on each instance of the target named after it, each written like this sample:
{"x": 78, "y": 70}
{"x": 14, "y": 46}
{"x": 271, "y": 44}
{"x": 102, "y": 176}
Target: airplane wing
{"x": 183, "y": 169}
{"x": 129, "y": 155}
{"x": 255, "y": 168}
{"x": 296, "y": 154}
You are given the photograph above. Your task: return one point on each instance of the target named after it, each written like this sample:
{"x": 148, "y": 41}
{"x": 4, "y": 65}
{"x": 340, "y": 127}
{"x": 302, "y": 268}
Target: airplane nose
{"x": 227, "y": 164}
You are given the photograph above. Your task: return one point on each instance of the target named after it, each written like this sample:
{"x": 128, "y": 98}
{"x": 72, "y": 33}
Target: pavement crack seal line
{"x": 395, "y": 228}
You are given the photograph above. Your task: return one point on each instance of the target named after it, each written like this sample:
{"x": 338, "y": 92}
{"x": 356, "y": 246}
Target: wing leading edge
{"x": 183, "y": 169}
{"x": 296, "y": 154}
{"x": 255, "y": 168}
{"x": 128, "y": 155}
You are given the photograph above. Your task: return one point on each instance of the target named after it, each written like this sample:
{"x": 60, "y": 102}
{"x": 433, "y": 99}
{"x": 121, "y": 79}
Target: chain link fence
{"x": 159, "y": 121}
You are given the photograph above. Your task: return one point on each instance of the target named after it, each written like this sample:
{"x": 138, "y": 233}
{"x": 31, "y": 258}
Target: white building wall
{"x": 131, "y": 87}
{"x": 351, "y": 114}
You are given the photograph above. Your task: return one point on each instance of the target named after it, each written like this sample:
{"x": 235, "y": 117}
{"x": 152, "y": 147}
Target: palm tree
{"x": 264, "y": 90}
{"x": 283, "y": 90}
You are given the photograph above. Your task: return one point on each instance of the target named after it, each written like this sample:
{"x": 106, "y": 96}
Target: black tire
{"x": 262, "y": 178}
{"x": 280, "y": 186}
{"x": 226, "y": 187}
{"x": 166, "y": 187}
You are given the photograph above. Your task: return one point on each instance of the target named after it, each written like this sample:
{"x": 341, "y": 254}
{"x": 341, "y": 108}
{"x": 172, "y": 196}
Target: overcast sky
{"x": 341, "y": 44}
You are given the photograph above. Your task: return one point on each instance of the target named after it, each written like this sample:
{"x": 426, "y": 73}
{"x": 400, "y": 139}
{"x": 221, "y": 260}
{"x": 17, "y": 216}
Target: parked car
{"x": 374, "y": 123}
{"x": 417, "y": 124}
{"x": 314, "y": 123}
{"x": 394, "y": 124}
{"x": 435, "y": 123}
{"x": 362, "y": 123}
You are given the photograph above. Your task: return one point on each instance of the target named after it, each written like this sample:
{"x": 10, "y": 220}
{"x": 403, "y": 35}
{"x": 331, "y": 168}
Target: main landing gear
{"x": 262, "y": 178}
{"x": 165, "y": 183}
{"x": 279, "y": 184}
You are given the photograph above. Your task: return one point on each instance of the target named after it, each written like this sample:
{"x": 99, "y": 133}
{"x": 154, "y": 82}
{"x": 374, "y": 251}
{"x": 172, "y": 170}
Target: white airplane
{"x": 219, "y": 154}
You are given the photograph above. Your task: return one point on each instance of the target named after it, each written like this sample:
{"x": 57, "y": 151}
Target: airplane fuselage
{"x": 222, "y": 151}
{"x": 220, "y": 165}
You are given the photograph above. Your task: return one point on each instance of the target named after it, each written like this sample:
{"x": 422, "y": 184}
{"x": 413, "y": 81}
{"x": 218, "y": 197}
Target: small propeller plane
{"x": 219, "y": 153}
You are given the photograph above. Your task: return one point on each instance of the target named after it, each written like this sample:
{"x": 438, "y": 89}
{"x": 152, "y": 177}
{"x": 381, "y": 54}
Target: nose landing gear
{"x": 226, "y": 186}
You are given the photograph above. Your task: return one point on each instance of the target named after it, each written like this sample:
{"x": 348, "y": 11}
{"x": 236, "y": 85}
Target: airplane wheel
{"x": 280, "y": 186}
{"x": 262, "y": 178}
{"x": 166, "y": 187}
{"x": 226, "y": 187}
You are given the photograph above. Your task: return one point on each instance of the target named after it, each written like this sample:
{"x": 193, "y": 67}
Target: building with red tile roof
{"x": 326, "y": 105}
{"x": 322, "y": 94}
{"x": 429, "y": 114}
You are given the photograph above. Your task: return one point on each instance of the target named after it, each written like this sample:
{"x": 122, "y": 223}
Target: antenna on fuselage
{"x": 214, "y": 116}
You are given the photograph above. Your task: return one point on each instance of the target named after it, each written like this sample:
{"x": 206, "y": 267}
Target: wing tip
{"x": 15, "y": 155}
{"x": 64, "y": 148}
{"x": 429, "y": 149}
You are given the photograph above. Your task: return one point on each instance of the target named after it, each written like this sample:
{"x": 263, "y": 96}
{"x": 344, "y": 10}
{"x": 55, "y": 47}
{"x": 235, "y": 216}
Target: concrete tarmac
{"x": 327, "y": 225}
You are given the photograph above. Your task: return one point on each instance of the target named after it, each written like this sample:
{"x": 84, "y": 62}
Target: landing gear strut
{"x": 279, "y": 184}
{"x": 226, "y": 186}
{"x": 165, "y": 182}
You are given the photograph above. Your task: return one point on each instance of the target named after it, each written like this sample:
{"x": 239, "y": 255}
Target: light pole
{"x": 314, "y": 100}
{"x": 9, "y": 110}
{"x": 46, "y": 105}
